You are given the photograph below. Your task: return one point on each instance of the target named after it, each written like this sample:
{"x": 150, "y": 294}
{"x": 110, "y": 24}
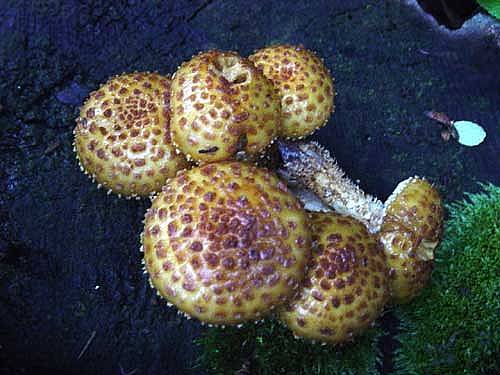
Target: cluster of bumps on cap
{"x": 346, "y": 286}
{"x": 226, "y": 241}
{"x": 122, "y": 136}
{"x": 221, "y": 105}
{"x": 305, "y": 87}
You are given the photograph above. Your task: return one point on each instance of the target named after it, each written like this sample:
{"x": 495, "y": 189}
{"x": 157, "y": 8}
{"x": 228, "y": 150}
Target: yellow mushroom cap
{"x": 222, "y": 105}
{"x": 226, "y": 242}
{"x": 346, "y": 286}
{"x": 122, "y": 136}
{"x": 411, "y": 229}
{"x": 305, "y": 86}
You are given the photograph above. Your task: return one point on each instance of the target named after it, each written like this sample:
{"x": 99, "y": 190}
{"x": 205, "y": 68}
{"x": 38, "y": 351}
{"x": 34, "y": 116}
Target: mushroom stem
{"x": 310, "y": 165}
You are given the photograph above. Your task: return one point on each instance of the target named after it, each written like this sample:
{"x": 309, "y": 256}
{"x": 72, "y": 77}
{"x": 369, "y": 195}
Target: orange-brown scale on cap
{"x": 346, "y": 286}
{"x": 226, "y": 242}
{"x": 411, "y": 229}
{"x": 122, "y": 135}
{"x": 305, "y": 86}
{"x": 222, "y": 106}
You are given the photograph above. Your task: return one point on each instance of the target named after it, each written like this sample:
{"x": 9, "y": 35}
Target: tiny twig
{"x": 89, "y": 341}
{"x": 123, "y": 372}
{"x": 51, "y": 147}
{"x": 245, "y": 369}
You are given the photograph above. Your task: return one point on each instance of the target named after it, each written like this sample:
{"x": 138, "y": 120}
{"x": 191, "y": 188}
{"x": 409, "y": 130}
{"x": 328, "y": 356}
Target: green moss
{"x": 454, "y": 326}
{"x": 271, "y": 349}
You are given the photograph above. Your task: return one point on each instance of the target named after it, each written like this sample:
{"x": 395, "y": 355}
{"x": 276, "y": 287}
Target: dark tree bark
{"x": 451, "y": 13}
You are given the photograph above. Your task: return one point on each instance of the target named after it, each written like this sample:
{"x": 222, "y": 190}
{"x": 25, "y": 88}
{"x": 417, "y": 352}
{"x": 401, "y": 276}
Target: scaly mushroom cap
{"x": 346, "y": 286}
{"x": 411, "y": 229}
{"x": 305, "y": 86}
{"x": 122, "y": 136}
{"x": 222, "y": 105}
{"x": 226, "y": 242}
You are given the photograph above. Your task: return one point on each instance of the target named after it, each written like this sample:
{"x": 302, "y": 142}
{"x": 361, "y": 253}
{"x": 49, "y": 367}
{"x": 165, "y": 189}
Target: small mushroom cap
{"x": 305, "y": 86}
{"x": 222, "y": 105}
{"x": 346, "y": 286}
{"x": 411, "y": 229}
{"x": 122, "y": 136}
{"x": 226, "y": 242}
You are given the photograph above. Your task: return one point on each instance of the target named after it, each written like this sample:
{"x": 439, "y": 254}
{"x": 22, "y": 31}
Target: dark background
{"x": 60, "y": 237}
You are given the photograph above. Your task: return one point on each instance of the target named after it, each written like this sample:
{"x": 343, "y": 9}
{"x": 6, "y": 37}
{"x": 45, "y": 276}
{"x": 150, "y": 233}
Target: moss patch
{"x": 454, "y": 326}
{"x": 268, "y": 348}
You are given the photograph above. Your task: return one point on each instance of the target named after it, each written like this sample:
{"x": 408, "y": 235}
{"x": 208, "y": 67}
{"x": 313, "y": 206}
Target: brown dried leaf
{"x": 445, "y": 134}
{"x": 439, "y": 117}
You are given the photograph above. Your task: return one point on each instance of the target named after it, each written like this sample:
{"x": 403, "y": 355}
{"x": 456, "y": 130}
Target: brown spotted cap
{"x": 122, "y": 136}
{"x": 346, "y": 286}
{"x": 305, "y": 86}
{"x": 411, "y": 229}
{"x": 226, "y": 242}
{"x": 222, "y": 105}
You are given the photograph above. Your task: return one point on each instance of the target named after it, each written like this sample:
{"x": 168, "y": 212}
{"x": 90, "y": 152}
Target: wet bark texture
{"x": 70, "y": 261}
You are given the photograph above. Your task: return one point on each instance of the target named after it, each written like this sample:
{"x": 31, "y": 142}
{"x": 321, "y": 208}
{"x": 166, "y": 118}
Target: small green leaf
{"x": 492, "y": 6}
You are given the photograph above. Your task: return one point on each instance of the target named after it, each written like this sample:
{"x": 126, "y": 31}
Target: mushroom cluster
{"x": 409, "y": 224}
{"x": 227, "y": 241}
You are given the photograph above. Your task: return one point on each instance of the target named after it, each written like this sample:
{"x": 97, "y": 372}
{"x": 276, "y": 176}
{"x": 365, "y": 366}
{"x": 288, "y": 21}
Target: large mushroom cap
{"x": 346, "y": 286}
{"x": 411, "y": 229}
{"x": 222, "y": 105}
{"x": 122, "y": 136}
{"x": 226, "y": 242}
{"x": 305, "y": 86}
